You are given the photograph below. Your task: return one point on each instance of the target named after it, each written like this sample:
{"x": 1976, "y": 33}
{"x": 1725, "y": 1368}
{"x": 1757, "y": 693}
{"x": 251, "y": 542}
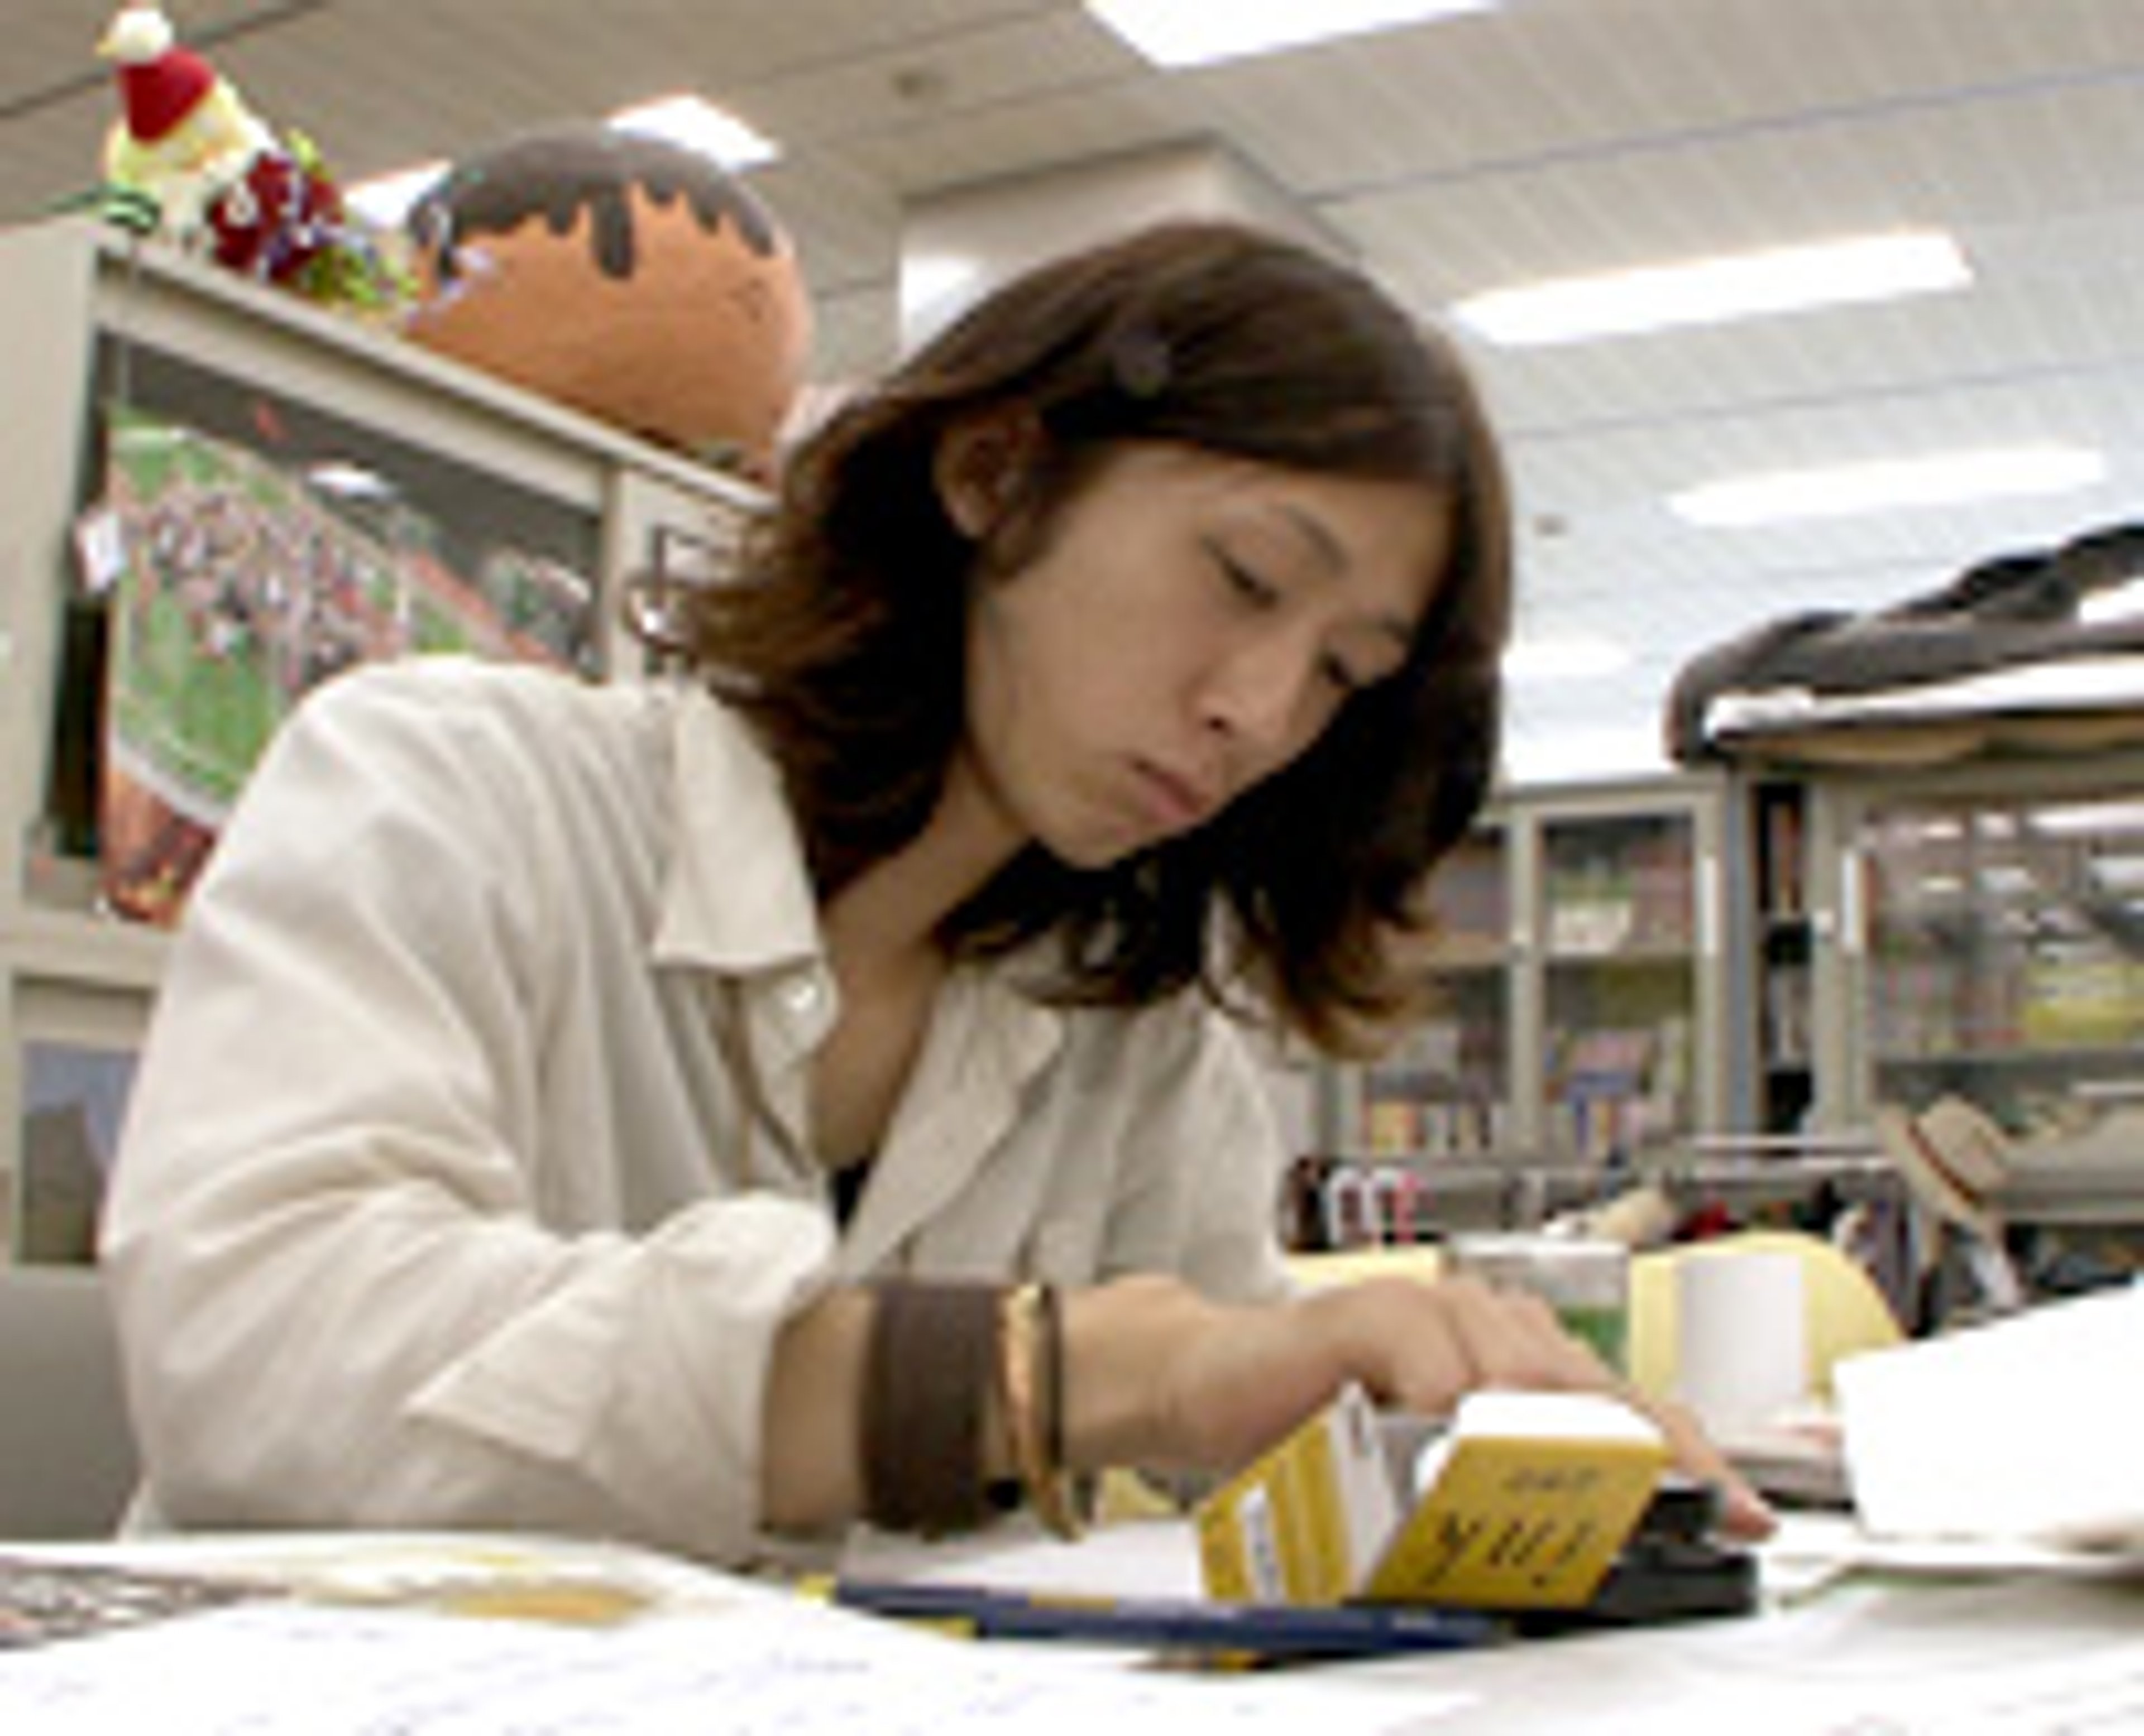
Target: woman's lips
{"x": 1177, "y": 801}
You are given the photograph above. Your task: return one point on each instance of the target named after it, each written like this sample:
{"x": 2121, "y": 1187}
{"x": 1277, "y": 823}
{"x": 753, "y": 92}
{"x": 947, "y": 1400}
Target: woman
{"x": 707, "y": 1115}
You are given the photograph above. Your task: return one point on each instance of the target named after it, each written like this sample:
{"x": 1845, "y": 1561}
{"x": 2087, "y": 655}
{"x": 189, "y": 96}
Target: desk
{"x": 1878, "y": 1659}
{"x": 1931, "y": 1638}
{"x": 2015, "y": 1652}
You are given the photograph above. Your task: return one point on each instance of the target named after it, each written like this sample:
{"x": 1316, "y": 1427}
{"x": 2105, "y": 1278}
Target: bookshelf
{"x": 1991, "y": 936}
{"x": 1975, "y": 927}
{"x": 1592, "y": 976}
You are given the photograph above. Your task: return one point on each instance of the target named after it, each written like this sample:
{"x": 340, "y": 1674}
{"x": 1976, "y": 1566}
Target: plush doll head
{"x": 630, "y": 278}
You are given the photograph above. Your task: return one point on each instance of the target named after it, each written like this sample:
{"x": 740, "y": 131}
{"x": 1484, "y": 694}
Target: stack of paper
{"x": 2029, "y": 1428}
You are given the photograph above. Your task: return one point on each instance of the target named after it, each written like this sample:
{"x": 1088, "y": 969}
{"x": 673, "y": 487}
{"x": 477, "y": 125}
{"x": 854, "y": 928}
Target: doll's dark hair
{"x": 844, "y": 640}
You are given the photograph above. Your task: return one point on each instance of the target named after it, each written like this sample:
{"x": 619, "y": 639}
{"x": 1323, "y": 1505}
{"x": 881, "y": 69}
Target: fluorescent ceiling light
{"x": 1707, "y": 291}
{"x": 1574, "y": 658}
{"x": 1197, "y": 33}
{"x": 1572, "y": 756}
{"x": 384, "y": 201}
{"x": 932, "y": 286}
{"x": 698, "y": 126}
{"x": 1849, "y": 489}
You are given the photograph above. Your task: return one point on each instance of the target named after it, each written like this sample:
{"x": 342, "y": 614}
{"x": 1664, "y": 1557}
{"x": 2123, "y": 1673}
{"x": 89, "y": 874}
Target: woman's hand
{"x": 1159, "y": 1377}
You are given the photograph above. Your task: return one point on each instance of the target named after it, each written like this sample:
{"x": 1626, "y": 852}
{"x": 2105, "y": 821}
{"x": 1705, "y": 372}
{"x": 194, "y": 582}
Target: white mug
{"x": 1741, "y": 1336}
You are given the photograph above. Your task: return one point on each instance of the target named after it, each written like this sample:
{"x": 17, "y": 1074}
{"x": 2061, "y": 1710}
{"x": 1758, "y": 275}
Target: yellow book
{"x": 1303, "y": 1524}
{"x": 1523, "y": 1502}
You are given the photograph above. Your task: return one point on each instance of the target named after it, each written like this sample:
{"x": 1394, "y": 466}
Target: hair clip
{"x": 1141, "y": 362}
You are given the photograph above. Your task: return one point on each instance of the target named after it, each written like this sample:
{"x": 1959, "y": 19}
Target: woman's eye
{"x": 1342, "y": 677}
{"x": 1245, "y": 582}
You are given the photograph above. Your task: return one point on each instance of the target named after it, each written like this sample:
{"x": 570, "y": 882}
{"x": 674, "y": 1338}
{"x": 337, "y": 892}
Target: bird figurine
{"x": 189, "y": 159}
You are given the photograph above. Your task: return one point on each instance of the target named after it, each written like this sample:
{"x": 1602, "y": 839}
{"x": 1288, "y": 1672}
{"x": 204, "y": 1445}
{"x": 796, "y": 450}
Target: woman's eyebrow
{"x": 1316, "y": 533}
{"x": 1331, "y": 554}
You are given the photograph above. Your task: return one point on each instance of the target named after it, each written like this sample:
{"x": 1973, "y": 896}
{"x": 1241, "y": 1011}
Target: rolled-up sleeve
{"x": 413, "y": 1222}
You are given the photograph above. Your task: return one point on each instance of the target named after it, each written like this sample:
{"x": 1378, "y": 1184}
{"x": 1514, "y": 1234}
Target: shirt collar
{"x": 736, "y": 894}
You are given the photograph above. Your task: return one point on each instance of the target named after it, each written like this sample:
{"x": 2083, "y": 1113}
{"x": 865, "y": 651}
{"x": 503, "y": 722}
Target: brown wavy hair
{"x": 843, "y": 641}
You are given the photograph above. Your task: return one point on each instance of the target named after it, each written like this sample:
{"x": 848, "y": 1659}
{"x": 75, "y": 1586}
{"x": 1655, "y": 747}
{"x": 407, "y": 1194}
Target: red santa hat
{"x": 159, "y": 83}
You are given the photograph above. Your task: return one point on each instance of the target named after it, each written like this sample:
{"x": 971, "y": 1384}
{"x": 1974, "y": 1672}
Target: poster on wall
{"x": 242, "y": 583}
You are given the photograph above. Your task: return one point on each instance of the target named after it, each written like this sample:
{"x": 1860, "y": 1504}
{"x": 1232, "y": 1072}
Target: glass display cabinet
{"x": 1992, "y": 931}
{"x": 1446, "y": 1090}
{"x": 257, "y": 490}
{"x": 1591, "y": 977}
{"x": 1636, "y": 1031}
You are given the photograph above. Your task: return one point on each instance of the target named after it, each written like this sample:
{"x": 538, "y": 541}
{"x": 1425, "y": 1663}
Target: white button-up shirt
{"x": 439, "y": 1203}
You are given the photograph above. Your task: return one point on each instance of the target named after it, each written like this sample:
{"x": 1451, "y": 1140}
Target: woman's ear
{"x": 981, "y": 468}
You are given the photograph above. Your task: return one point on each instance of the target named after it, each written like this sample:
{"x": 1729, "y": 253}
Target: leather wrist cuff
{"x": 929, "y": 1370}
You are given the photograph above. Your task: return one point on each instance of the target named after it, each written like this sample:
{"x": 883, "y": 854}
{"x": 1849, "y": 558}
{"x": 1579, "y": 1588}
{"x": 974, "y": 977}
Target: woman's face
{"x": 1191, "y": 625}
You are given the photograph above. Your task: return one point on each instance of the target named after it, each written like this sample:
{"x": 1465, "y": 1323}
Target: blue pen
{"x": 1271, "y": 1632}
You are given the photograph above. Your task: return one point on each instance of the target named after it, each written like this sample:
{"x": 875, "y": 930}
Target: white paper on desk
{"x": 764, "y": 1669}
{"x": 2031, "y": 1427}
{"x": 1151, "y": 1558}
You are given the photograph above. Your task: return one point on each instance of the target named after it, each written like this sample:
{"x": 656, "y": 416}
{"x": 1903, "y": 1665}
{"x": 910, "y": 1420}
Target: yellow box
{"x": 1524, "y": 1502}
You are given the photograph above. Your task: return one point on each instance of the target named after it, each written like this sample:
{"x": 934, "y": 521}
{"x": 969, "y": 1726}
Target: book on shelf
{"x": 1784, "y": 862}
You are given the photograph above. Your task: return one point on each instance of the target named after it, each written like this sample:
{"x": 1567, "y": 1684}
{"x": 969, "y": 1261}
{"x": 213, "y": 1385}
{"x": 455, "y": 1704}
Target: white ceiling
{"x": 1550, "y": 137}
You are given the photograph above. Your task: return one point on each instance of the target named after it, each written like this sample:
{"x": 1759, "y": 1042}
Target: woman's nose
{"x": 1259, "y": 694}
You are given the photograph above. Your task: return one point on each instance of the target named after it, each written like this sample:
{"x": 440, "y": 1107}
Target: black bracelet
{"x": 928, "y": 1373}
